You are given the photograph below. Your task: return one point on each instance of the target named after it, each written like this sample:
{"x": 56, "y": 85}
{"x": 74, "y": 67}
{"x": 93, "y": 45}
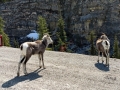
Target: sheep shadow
{"x": 102, "y": 67}
{"x": 31, "y": 76}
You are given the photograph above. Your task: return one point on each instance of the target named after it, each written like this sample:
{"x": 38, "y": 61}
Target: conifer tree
{"x": 59, "y": 42}
{"x": 91, "y": 38}
{"x": 5, "y": 38}
{"x": 42, "y": 26}
{"x": 62, "y": 33}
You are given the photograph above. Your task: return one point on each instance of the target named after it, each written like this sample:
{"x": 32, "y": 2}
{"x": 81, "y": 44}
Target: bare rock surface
{"x": 64, "y": 71}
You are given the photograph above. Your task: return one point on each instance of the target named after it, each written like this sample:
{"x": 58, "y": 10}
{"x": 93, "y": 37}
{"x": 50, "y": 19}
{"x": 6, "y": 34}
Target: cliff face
{"x": 21, "y": 15}
{"x": 81, "y": 16}
{"x": 86, "y": 15}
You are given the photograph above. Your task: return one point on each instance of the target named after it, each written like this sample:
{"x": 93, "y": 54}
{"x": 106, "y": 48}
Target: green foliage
{"x": 50, "y": 49}
{"x": 91, "y": 39}
{"x": 61, "y": 34}
{"x": 16, "y": 44}
{"x": 5, "y": 38}
{"x": 42, "y": 26}
{"x": 116, "y": 49}
{"x": 70, "y": 51}
{"x": 59, "y": 41}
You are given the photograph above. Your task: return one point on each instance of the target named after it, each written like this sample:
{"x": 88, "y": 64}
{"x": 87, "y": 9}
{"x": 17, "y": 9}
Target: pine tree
{"x": 62, "y": 33}
{"x": 59, "y": 42}
{"x": 5, "y": 38}
{"x": 116, "y": 48}
{"x": 42, "y": 26}
{"x": 91, "y": 38}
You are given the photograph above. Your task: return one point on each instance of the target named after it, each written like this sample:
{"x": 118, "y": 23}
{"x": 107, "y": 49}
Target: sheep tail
{"x": 106, "y": 43}
{"x": 21, "y": 47}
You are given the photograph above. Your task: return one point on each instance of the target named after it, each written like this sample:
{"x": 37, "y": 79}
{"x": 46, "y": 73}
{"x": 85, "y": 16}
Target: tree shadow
{"x": 102, "y": 67}
{"x": 31, "y": 76}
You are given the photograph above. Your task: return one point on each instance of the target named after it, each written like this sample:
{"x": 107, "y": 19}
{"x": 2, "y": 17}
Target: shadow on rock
{"x": 102, "y": 67}
{"x": 31, "y": 76}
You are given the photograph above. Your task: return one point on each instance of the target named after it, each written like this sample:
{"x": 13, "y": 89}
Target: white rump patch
{"x": 104, "y": 44}
{"x": 25, "y": 46}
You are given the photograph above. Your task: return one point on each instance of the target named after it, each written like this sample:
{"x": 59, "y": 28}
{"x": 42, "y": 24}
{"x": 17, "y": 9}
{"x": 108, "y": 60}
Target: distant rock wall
{"x": 21, "y": 15}
{"x": 81, "y": 16}
{"x": 101, "y": 15}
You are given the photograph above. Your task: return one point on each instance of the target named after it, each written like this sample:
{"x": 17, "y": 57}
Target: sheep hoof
{"x": 26, "y": 74}
{"x": 106, "y": 65}
{"x": 102, "y": 61}
{"x": 18, "y": 75}
{"x": 40, "y": 66}
{"x": 98, "y": 61}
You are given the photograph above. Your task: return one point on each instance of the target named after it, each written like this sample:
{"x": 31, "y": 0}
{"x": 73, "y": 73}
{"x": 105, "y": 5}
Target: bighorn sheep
{"x": 30, "y": 48}
{"x": 103, "y": 46}
{"x": 104, "y": 37}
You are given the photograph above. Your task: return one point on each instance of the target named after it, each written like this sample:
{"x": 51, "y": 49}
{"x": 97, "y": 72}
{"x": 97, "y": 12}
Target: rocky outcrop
{"x": 21, "y": 15}
{"x": 82, "y": 16}
{"x": 99, "y": 15}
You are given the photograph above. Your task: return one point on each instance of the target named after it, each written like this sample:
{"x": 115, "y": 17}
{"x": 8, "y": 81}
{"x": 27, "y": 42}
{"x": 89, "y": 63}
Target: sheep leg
{"x": 24, "y": 65}
{"x": 107, "y": 62}
{"x": 19, "y": 64}
{"x": 42, "y": 61}
{"x": 24, "y": 69}
{"x": 102, "y": 58}
{"x": 108, "y": 59}
{"x": 39, "y": 56}
{"x": 98, "y": 56}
